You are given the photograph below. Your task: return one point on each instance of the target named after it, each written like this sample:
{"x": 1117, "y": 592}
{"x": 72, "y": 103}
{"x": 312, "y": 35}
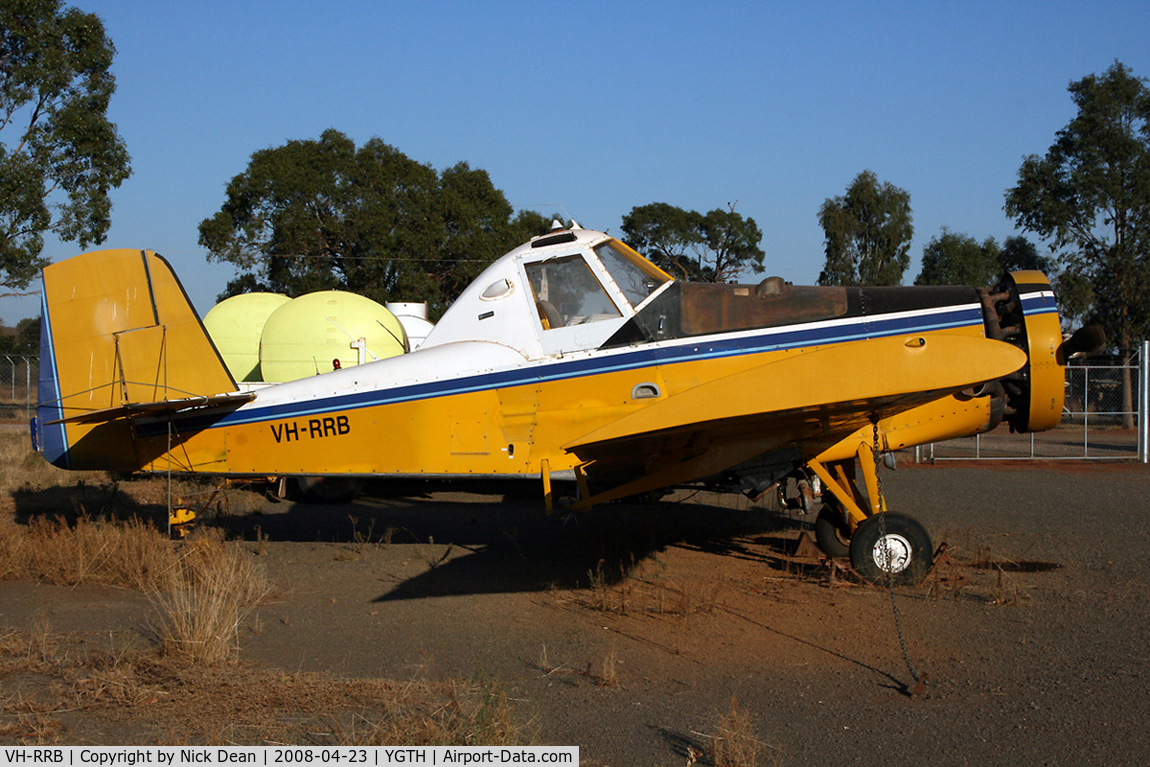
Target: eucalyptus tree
{"x": 953, "y": 258}
{"x": 323, "y": 214}
{"x": 699, "y": 247}
{"x": 59, "y": 154}
{"x": 1089, "y": 196}
{"x": 867, "y": 234}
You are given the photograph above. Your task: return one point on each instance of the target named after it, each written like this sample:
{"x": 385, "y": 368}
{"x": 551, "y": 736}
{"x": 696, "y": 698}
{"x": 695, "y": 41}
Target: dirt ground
{"x": 628, "y": 630}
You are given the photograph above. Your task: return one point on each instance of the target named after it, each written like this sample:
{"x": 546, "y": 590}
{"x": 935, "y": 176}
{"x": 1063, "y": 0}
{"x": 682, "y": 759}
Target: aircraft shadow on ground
{"x": 604, "y": 546}
{"x": 507, "y": 543}
{"x": 512, "y": 545}
{"x": 92, "y": 501}
{"x": 473, "y": 543}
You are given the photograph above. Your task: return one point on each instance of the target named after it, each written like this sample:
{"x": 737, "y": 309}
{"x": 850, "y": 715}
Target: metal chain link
{"x": 889, "y": 565}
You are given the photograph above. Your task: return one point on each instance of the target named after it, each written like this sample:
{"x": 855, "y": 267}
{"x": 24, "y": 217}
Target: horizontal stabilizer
{"x": 157, "y": 408}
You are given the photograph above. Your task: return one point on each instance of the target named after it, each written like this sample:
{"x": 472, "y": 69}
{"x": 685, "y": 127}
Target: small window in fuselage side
{"x": 568, "y": 293}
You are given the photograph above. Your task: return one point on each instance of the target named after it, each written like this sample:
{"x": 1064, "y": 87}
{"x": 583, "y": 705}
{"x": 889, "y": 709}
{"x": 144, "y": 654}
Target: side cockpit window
{"x": 568, "y": 293}
{"x": 634, "y": 275}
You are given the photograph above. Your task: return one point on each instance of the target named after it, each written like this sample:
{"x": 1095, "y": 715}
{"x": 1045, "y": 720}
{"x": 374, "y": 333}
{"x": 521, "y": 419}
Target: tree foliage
{"x": 22, "y": 340}
{"x": 958, "y": 259}
{"x": 322, "y": 214}
{"x": 867, "y": 234}
{"x": 688, "y": 245}
{"x": 1090, "y": 197}
{"x": 60, "y": 156}
{"x": 1020, "y": 254}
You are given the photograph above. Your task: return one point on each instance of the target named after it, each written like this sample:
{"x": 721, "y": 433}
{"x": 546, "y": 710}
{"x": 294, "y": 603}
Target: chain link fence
{"x": 19, "y": 377}
{"x": 1100, "y": 419}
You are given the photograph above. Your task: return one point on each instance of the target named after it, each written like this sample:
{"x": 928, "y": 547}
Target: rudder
{"x": 118, "y": 334}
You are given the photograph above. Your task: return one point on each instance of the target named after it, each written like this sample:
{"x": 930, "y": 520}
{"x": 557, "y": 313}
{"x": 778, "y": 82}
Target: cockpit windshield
{"x": 636, "y": 277}
{"x": 568, "y": 293}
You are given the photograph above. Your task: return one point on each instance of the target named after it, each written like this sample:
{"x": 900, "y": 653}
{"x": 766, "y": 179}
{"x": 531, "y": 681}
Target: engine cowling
{"x": 1021, "y": 310}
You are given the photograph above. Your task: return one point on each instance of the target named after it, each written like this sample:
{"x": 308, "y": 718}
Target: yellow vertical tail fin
{"x": 117, "y": 332}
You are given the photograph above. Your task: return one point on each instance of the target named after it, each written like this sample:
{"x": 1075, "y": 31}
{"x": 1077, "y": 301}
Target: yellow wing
{"x": 811, "y": 400}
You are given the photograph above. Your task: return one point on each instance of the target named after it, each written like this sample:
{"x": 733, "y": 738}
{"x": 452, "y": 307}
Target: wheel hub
{"x": 892, "y": 553}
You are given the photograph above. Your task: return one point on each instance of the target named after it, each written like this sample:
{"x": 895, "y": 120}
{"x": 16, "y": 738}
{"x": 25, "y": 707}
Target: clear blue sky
{"x": 601, "y": 107}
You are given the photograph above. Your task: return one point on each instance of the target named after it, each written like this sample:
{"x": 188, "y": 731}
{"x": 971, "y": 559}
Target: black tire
{"x": 831, "y": 532}
{"x": 328, "y": 490}
{"x": 908, "y": 547}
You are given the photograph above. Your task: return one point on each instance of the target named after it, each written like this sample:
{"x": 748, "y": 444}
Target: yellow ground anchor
{"x": 182, "y": 514}
{"x": 180, "y": 519}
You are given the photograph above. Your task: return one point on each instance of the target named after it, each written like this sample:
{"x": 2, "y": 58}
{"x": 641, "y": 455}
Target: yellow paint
{"x": 1047, "y": 377}
{"x": 842, "y": 488}
{"x": 470, "y": 433}
{"x": 545, "y": 474}
{"x": 712, "y": 413}
{"x": 124, "y": 344}
{"x": 878, "y": 368}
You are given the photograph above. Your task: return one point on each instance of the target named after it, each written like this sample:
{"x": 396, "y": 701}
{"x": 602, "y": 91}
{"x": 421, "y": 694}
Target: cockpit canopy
{"x": 560, "y": 293}
{"x": 577, "y": 290}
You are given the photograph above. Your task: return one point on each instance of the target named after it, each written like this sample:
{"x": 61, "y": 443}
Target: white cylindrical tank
{"x": 235, "y": 326}
{"x": 318, "y": 332}
{"x": 413, "y": 317}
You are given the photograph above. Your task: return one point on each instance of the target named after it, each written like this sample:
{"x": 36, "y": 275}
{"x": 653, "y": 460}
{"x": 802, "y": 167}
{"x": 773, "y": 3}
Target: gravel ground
{"x": 629, "y": 630}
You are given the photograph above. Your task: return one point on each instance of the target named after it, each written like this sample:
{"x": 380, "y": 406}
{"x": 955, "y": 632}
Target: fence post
{"x": 1144, "y": 403}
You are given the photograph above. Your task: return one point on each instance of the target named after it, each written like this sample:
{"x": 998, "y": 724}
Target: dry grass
{"x": 204, "y": 596}
{"x": 968, "y": 566}
{"x": 203, "y": 588}
{"x": 132, "y": 554}
{"x": 144, "y": 697}
{"x": 43, "y": 489}
{"x": 606, "y": 676}
{"x": 633, "y": 593}
{"x": 734, "y": 743}
{"x": 185, "y": 686}
{"x": 22, "y": 469}
{"x": 479, "y": 713}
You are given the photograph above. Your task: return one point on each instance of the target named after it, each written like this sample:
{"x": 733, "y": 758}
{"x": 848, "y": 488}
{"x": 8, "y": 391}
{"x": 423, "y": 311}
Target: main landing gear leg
{"x": 881, "y": 545}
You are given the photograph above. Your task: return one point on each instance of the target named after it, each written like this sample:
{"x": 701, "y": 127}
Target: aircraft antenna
{"x": 402, "y": 344}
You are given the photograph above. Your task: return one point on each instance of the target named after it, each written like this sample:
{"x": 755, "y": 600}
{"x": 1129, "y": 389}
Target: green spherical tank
{"x": 320, "y": 332}
{"x": 235, "y": 326}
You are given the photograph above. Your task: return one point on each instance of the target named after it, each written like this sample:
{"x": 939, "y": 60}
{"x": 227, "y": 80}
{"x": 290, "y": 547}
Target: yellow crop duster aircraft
{"x": 571, "y": 357}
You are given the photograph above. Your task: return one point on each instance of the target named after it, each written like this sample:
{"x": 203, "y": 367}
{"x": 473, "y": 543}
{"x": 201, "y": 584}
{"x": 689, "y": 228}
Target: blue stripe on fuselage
{"x": 682, "y": 350}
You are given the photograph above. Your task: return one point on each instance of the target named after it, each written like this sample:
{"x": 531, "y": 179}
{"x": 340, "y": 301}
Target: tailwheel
{"x": 890, "y": 546}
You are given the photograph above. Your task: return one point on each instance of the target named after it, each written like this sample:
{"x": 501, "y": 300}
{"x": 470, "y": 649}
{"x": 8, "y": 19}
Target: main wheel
{"x": 904, "y": 553}
{"x": 831, "y": 531}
